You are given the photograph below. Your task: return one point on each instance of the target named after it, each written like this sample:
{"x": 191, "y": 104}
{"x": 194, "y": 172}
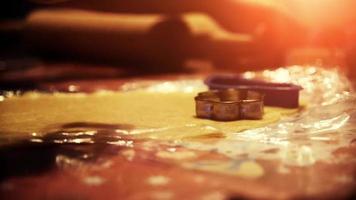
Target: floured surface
{"x": 107, "y": 148}
{"x": 170, "y": 115}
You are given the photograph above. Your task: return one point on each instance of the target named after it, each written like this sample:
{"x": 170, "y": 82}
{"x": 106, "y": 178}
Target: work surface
{"x": 143, "y": 142}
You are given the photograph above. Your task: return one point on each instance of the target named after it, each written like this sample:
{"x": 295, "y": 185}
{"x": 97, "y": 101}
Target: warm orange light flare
{"x": 318, "y": 13}
{"x": 324, "y": 12}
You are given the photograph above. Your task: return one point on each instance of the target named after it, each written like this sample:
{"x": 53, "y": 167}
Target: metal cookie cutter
{"x": 276, "y": 94}
{"x": 229, "y": 104}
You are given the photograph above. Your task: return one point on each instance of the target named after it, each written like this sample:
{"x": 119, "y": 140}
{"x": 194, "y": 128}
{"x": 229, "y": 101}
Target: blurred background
{"x": 52, "y": 41}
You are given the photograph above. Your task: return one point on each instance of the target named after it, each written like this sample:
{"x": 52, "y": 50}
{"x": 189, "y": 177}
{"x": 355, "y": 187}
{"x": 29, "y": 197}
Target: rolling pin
{"x": 155, "y": 40}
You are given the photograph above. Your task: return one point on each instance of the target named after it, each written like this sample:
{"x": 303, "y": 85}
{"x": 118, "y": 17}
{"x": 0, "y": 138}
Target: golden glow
{"x": 323, "y": 12}
{"x": 316, "y": 13}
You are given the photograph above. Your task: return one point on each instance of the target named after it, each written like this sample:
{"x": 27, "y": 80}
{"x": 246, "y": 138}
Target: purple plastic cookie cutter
{"x": 276, "y": 94}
